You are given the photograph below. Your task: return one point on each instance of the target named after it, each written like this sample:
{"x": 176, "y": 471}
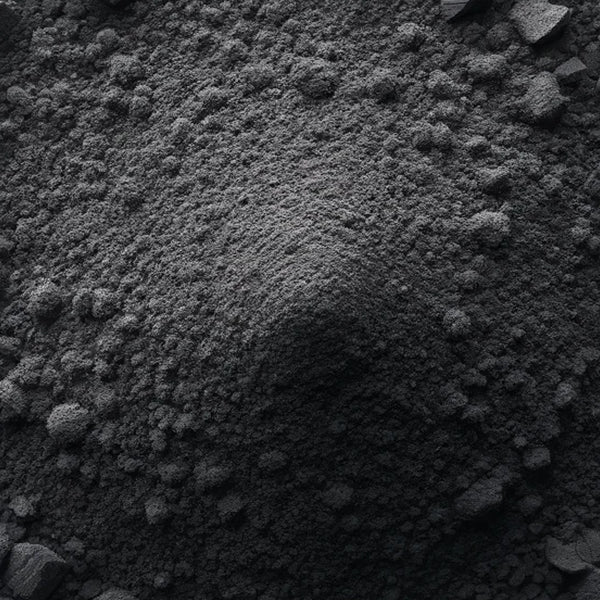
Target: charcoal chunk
{"x": 571, "y": 70}
{"x": 539, "y": 21}
{"x": 564, "y": 557}
{"x": 454, "y": 9}
{"x": 34, "y": 571}
{"x": 588, "y": 546}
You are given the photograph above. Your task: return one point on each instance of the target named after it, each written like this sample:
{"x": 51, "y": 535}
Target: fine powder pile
{"x": 300, "y": 300}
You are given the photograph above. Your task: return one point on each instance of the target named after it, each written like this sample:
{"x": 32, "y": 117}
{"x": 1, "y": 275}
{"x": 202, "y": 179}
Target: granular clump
{"x": 457, "y": 323}
{"x": 410, "y": 36}
{"x": 488, "y": 67}
{"x": 273, "y": 461}
{"x": 210, "y": 100}
{"x": 441, "y": 85}
{"x": 338, "y": 496}
{"x": 543, "y": 104}
{"x": 157, "y": 511}
{"x": 13, "y": 403}
{"x": 481, "y": 498}
{"x": 495, "y": 181}
{"x": 230, "y": 507}
{"x": 126, "y": 70}
{"x": 315, "y": 78}
{"x": 210, "y": 476}
{"x": 108, "y": 38}
{"x": 23, "y": 508}
{"x": 381, "y": 85}
{"x": 45, "y": 301}
{"x": 68, "y": 423}
{"x": 535, "y": 459}
{"x": 19, "y": 99}
{"x": 565, "y": 395}
{"x": 258, "y": 77}
{"x": 489, "y": 228}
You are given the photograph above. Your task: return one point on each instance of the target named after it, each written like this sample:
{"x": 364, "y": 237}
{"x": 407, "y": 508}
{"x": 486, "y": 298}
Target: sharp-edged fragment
{"x": 538, "y": 20}
{"x": 453, "y": 9}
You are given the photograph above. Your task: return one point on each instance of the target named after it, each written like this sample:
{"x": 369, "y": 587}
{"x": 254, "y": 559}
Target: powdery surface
{"x": 321, "y": 304}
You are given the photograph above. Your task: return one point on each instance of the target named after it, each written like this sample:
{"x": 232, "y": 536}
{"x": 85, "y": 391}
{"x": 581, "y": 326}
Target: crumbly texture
{"x": 322, "y": 286}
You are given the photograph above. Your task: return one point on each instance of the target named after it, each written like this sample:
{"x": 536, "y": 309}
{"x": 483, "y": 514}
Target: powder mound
{"x": 319, "y": 332}
{"x": 68, "y": 423}
{"x": 311, "y": 315}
